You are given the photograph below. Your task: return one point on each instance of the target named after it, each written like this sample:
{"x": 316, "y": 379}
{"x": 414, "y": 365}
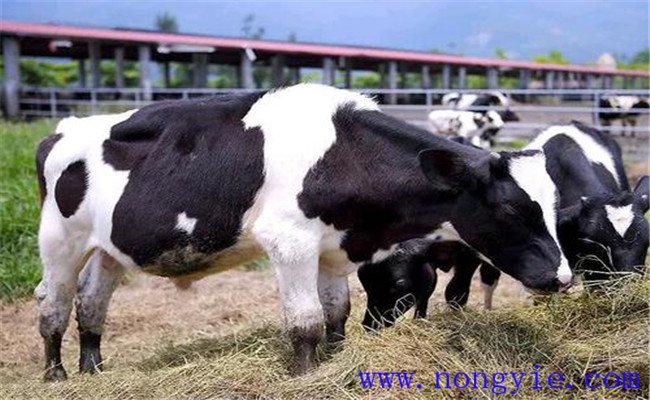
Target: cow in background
{"x": 625, "y": 108}
{"x": 479, "y": 128}
{"x": 480, "y": 102}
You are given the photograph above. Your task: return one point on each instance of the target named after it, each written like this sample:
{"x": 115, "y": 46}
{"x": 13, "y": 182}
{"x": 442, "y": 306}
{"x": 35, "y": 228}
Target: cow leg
{"x": 335, "y": 299}
{"x": 489, "y": 280}
{"x": 62, "y": 260}
{"x": 95, "y": 287}
{"x": 457, "y": 291}
{"x": 425, "y": 290}
{"x": 294, "y": 252}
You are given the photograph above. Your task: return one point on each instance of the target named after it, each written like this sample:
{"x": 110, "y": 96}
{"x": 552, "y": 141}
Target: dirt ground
{"x": 149, "y": 311}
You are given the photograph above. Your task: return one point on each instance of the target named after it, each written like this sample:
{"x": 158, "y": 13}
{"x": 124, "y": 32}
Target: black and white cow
{"x": 317, "y": 178}
{"x": 602, "y": 228}
{"x": 625, "y": 108}
{"x": 479, "y": 128}
{"x": 480, "y": 102}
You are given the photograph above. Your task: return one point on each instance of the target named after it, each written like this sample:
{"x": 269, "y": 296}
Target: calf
{"x": 602, "y": 226}
{"x": 479, "y": 129}
{"x": 315, "y": 177}
{"x": 408, "y": 278}
{"x": 625, "y": 108}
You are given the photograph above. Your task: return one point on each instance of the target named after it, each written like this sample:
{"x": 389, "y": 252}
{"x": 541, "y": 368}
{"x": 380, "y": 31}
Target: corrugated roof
{"x": 135, "y": 36}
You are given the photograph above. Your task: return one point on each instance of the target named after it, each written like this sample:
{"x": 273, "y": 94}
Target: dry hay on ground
{"x": 223, "y": 339}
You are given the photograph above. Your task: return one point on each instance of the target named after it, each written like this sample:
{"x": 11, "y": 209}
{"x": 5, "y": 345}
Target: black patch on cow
{"x": 123, "y": 156}
{"x": 192, "y": 157}
{"x": 42, "y": 151}
{"x": 71, "y": 188}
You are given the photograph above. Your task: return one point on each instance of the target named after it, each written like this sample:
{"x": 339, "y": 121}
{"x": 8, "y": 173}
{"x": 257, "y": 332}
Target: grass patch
{"x": 19, "y": 206}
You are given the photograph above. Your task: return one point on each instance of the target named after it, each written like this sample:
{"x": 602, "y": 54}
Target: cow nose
{"x": 564, "y": 286}
{"x": 565, "y": 278}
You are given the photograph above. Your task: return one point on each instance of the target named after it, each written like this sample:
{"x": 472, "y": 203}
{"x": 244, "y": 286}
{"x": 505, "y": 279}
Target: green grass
{"x": 19, "y": 207}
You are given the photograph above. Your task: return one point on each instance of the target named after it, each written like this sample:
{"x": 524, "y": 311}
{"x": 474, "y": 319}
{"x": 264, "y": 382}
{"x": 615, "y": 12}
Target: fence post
{"x": 93, "y": 101}
{"x": 53, "y": 110}
{"x": 595, "y": 121}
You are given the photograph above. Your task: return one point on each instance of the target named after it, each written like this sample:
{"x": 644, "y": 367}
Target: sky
{"x": 581, "y": 30}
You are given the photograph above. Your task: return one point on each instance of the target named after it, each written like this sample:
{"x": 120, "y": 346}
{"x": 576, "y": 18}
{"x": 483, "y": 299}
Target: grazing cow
{"x": 602, "y": 228}
{"x": 317, "y": 178}
{"x": 625, "y": 108}
{"x": 479, "y": 129}
{"x": 480, "y": 103}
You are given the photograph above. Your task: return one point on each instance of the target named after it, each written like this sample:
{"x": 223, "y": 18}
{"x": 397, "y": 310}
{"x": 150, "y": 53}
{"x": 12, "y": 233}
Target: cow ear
{"x": 569, "y": 215}
{"x": 642, "y": 192}
{"x": 452, "y": 169}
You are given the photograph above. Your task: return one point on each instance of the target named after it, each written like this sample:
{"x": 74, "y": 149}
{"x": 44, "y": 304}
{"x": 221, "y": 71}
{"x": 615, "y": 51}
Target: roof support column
{"x": 590, "y": 81}
{"x": 11, "y": 54}
{"x": 199, "y": 70}
{"x": 446, "y": 76}
{"x": 94, "y": 53}
{"x": 608, "y": 81}
{"x": 462, "y": 77}
{"x": 277, "y": 70}
{"x": 549, "y": 80}
{"x": 119, "y": 67}
{"x": 328, "y": 71}
{"x": 348, "y": 73}
{"x": 81, "y": 73}
{"x": 246, "y": 70}
{"x": 392, "y": 81}
{"x": 524, "y": 78}
{"x": 144, "y": 59}
{"x": 492, "y": 78}
{"x": 426, "y": 77}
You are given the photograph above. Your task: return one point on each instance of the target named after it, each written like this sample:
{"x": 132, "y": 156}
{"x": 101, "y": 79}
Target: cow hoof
{"x": 55, "y": 374}
{"x": 89, "y": 366}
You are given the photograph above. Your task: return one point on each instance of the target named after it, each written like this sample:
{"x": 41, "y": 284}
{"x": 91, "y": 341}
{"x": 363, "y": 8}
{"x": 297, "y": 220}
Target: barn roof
{"x": 24, "y": 29}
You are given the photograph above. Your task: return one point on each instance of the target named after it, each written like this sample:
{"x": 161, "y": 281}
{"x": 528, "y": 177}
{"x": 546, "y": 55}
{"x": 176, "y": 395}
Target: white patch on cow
{"x": 298, "y": 130}
{"x": 620, "y": 217}
{"x": 488, "y": 294}
{"x": 594, "y": 151}
{"x": 453, "y": 122}
{"x": 531, "y": 176}
{"x": 623, "y": 102}
{"x": 83, "y": 138}
{"x": 185, "y": 223}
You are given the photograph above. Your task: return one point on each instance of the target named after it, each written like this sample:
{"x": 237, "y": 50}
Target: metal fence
{"x": 535, "y": 107}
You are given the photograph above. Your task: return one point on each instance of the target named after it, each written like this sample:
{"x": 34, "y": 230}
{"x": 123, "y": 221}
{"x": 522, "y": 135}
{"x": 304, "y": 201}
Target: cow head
{"x": 607, "y": 234}
{"x": 394, "y": 284}
{"x": 505, "y": 208}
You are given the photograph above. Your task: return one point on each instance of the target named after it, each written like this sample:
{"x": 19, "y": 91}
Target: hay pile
{"x": 573, "y": 334}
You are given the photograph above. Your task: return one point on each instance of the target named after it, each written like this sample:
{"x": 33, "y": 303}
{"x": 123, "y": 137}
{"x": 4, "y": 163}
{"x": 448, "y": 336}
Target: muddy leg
{"x": 334, "y": 297}
{"x": 96, "y": 284}
{"x": 61, "y": 263}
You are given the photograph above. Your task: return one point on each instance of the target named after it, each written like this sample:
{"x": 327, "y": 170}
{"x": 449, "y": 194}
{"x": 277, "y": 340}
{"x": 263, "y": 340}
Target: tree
{"x": 500, "y": 53}
{"x": 249, "y": 30}
{"x": 553, "y": 57}
{"x": 642, "y": 57}
{"x": 166, "y": 23}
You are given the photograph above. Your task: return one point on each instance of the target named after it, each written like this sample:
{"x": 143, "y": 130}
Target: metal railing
{"x": 536, "y": 107}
